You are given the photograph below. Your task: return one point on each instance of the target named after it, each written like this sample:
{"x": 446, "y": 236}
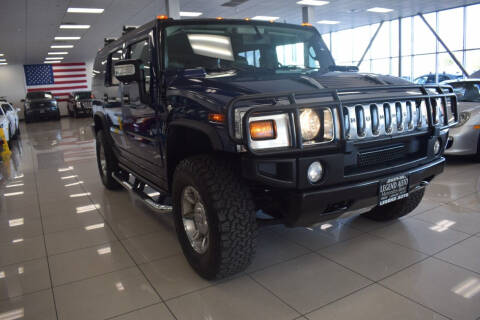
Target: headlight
{"x": 310, "y": 124}
{"x": 463, "y": 117}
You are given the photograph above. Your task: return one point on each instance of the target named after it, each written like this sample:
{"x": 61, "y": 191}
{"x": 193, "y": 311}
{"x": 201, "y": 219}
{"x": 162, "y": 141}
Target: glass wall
{"x": 421, "y": 54}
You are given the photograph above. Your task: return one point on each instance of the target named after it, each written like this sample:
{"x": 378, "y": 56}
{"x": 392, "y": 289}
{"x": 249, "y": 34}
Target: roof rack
{"x": 107, "y": 41}
{"x": 127, "y": 29}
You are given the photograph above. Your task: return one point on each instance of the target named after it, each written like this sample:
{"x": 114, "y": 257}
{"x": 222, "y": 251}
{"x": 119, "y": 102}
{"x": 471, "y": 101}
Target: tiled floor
{"x": 70, "y": 249}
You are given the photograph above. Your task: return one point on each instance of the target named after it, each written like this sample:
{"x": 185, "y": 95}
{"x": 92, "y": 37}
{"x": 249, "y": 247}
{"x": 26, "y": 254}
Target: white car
{"x": 5, "y": 125}
{"x": 12, "y": 115}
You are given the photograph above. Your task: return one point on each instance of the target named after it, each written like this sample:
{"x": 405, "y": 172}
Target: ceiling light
{"x": 3, "y": 60}
{"x": 190, "y": 14}
{"x": 85, "y": 10}
{"x": 54, "y": 58}
{"x": 265, "y": 18}
{"x": 54, "y": 53}
{"x": 328, "y": 22}
{"x": 312, "y": 2}
{"x": 74, "y": 26}
{"x": 379, "y": 10}
{"x": 52, "y": 61}
{"x": 65, "y": 46}
{"x": 67, "y": 38}
{"x": 10, "y": 194}
{"x": 1, "y": 54}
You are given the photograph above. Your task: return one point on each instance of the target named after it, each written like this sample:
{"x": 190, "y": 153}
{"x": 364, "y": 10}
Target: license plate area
{"x": 392, "y": 189}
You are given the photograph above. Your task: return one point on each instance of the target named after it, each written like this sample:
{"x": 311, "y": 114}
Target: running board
{"x": 140, "y": 195}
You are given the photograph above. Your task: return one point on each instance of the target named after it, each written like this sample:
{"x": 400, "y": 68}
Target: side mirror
{"x": 127, "y": 71}
{"x": 23, "y": 100}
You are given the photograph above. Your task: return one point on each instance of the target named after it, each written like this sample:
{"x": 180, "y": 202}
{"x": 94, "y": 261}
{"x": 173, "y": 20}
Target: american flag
{"x": 60, "y": 78}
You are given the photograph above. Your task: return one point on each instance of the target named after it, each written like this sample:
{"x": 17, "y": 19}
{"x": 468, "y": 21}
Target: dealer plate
{"x": 392, "y": 189}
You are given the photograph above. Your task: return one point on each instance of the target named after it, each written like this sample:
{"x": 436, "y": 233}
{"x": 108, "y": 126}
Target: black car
{"x": 430, "y": 78}
{"x": 40, "y": 105}
{"x": 231, "y": 120}
{"x": 79, "y": 103}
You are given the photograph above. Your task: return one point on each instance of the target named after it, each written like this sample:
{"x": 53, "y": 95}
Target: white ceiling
{"x": 27, "y": 27}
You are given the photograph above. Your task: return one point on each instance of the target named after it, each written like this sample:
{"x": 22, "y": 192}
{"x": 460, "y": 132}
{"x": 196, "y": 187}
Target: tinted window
{"x": 141, "y": 51}
{"x": 39, "y": 95}
{"x": 5, "y": 108}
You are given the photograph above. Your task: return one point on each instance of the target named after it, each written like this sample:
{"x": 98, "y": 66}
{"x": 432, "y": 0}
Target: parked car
{"x": 40, "y": 105}
{"x": 12, "y": 114}
{"x": 430, "y": 78}
{"x": 464, "y": 138}
{"x": 79, "y": 102}
{"x": 221, "y": 123}
{"x": 5, "y": 125}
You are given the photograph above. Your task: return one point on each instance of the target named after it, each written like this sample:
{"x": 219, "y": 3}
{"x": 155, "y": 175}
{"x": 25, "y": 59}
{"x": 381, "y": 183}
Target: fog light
{"x": 315, "y": 172}
{"x": 437, "y": 147}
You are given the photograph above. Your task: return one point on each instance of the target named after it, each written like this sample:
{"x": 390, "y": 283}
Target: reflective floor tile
{"x": 425, "y": 237}
{"x": 318, "y": 237}
{"x": 443, "y": 287}
{"x": 16, "y": 228}
{"x": 371, "y": 256}
{"x": 138, "y": 225}
{"x": 20, "y": 250}
{"x": 74, "y": 239}
{"x": 173, "y": 277}
{"x": 364, "y": 224}
{"x": 89, "y": 262}
{"x": 153, "y": 246}
{"x": 17, "y": 213}
{"x": 465, "y": 254}
{"x": 272, "y": 248}
{"x": 70, "y": 206}
{"x": 85, "y": 216}
{"x": 309, "y": 282}
{"x": 23, "y": 278}
{"x": 425, "y": 205}
{"x": 374, "y": 302}
{"x": 471, "y": 202}
{"x": 238, "y": 299}
{"x": 155, "y": 312}
{"x": 35, "y": 306}
{"x": 458, "y": 218}
{"x": 104, "y": 296}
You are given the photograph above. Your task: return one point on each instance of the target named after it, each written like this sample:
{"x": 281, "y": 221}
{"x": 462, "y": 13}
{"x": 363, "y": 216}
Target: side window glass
{"x": 141, "y": 51}
{"x": 5, "y": 108}
{"x": 114, "y": 57}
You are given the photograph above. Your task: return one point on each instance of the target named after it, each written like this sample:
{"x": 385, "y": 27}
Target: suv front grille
{"x": 383, "y": 119}
{"x": 370, "y": 158}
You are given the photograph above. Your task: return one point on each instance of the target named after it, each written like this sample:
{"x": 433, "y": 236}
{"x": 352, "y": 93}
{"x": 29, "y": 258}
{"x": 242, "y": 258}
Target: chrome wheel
{"x": 194, "y": 219}
{"x": 102, "y": 158}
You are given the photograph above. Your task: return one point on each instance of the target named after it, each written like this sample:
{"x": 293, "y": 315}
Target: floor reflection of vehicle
{"x": 464, "y": 138}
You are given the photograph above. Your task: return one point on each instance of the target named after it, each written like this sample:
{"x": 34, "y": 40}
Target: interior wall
{"x": 12, "y": 85}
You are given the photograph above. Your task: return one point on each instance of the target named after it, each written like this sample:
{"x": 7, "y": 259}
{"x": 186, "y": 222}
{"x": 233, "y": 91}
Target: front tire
{"x": 397, "y": 209}
{"x": 106, "y": 161}
{"x": 222, "y": 213}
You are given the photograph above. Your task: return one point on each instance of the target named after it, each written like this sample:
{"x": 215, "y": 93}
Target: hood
{"x": 224, "y": 88}
{"x": 473, "y": 107}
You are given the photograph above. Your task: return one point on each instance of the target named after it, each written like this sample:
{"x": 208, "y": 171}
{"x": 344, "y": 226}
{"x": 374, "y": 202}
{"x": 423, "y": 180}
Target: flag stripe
{"x": 68, "y": 64}
{"x": 71, "y": 81}
{"x": 69, "y": 76}
{"x": 70, "y": 70}
{"x": 57, "y": 88}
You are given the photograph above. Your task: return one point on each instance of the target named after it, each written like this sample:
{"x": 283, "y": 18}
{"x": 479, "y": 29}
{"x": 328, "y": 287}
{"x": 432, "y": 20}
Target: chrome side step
{"x": 138, "y": 193}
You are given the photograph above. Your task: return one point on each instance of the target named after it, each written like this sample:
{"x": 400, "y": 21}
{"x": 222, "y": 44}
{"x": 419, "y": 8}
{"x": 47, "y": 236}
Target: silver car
{"x": 464, "y": 139}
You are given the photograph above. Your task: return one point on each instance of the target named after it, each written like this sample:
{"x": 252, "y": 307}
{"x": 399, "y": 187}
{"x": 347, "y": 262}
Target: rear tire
{"x": 106, "y": 161}
{"x": 228, "y": 209}
{"x": 396, "y": 209}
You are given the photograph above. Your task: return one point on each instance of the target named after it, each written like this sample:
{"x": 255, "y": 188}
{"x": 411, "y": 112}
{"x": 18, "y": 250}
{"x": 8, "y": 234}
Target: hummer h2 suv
{"x": 232, "y": 124}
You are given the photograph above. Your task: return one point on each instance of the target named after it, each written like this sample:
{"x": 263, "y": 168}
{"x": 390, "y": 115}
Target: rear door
{"x": 139, "y": 114}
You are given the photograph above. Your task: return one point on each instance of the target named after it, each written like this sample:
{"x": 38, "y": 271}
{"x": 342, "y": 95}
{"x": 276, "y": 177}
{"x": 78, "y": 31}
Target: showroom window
{"x": 421, "y": 53}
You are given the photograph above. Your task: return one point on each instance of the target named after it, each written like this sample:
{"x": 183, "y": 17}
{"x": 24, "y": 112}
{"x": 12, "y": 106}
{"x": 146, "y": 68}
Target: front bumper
{"x": 463, "y": 141}
{"x": 33, "y": 114}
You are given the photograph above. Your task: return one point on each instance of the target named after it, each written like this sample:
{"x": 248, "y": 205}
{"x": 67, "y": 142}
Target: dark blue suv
{"x": 232, "y": 124}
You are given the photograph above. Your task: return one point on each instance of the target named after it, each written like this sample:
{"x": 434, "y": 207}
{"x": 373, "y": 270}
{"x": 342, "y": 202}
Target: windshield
{"x": 467, "y": 91}
{"x": 82, "y": 95}
{"x": 251, "y": 48}
{"x": 39, "y": 95}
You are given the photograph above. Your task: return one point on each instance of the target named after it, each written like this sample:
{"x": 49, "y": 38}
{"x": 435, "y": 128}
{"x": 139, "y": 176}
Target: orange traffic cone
{"x": 5, "y": 149}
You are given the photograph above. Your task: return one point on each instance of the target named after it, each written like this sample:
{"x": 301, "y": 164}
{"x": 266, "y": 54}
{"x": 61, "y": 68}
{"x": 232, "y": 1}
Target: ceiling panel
{"x": 27, "y": 27}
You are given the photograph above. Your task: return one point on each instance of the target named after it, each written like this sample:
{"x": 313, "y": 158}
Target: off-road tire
{"x": 230, "y": 214}
{"x": 396, "y": 209}
{"x": 111, "y": 162}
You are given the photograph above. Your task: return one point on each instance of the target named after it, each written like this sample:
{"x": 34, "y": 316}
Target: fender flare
{"x": 208, "y": 130}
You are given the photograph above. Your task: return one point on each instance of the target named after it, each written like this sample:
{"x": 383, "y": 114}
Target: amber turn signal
{"x": 216, "y": 117}
{"x": 263, "y": 130}
{"x": 162, "y": 17}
